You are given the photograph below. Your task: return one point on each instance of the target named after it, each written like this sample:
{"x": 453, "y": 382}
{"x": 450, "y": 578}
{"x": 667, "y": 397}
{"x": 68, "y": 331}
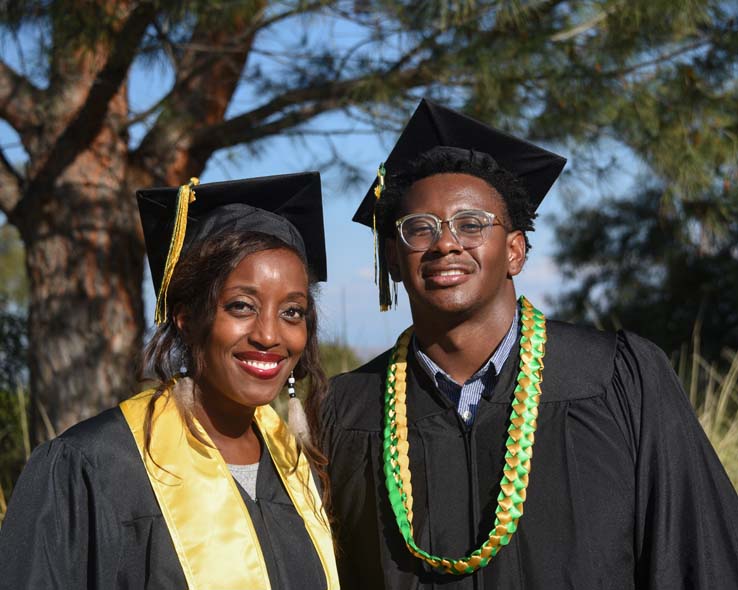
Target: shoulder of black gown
{"x": 108, "y": 447}
{"x": 108, "y": 428}
{"x": 578, "y": 362}
{"x": 60, "y": 514}
{"x": 63, "y": 528}
{"x": 686, "y": 530}
{"x": 354, "y": 399}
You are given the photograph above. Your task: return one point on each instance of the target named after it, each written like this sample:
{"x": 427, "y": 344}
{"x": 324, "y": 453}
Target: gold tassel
{"x": 185, "y": 196}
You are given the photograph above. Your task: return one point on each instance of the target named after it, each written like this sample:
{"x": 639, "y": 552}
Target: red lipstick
{"x": 263, "y": 365}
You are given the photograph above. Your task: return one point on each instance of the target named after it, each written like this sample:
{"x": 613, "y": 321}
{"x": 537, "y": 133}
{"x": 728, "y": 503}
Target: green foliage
{"x": 660, "y": 78}
{"x": 13, "y": 301}
{"x": 337, "y": 358}
{"x": 13, "y": 280}
{"x": 633, "y": 266}
{"x": 13, "y": 349}
{"x": 662, "y": 256}
{"x": 15, "y": 444}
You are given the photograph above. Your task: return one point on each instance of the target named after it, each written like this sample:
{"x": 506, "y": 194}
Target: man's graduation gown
{"x": 83, "y": 515}
{"x": 625, "y": 490}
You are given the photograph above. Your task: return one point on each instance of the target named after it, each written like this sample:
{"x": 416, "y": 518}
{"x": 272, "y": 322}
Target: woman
{"x": 196, "y": 483}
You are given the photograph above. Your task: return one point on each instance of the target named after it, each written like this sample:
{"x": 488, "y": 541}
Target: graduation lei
{"x": 521, "y": 435}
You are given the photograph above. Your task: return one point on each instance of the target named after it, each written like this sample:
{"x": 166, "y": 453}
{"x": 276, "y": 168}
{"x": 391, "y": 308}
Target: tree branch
{"x": 11, "y": 184}
{"x": 659, "y": 59}
{"x": 19, "y": 100}
{"x": 174, "y": 149}
{"x": 308, "y": 102}
{"x": 259, "y": 24}
{"x": 262, "y": 24}
{"x": 87, "y": 122}
{"x": 206, "y": 81}
{"x": 582, "y": 27}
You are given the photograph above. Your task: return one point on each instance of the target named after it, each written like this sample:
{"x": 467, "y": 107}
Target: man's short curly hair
{"x": 519, "y": 208}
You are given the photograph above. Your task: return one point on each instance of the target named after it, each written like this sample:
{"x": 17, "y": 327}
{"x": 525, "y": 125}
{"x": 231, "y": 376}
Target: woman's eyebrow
{"x": 248, "y": 289}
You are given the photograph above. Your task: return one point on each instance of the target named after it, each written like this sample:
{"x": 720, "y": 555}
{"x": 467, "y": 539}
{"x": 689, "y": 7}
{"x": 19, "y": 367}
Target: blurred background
{"x": 100, "y": 97}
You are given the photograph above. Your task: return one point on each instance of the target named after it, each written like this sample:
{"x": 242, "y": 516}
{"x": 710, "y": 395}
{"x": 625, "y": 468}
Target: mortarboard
{"x": 433, "y": 126}
{"x": 287, "y": 206}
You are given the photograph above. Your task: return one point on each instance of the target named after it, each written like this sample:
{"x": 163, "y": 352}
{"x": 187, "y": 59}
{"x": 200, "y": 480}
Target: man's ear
{"x": 390, "y": 256}
{"x": 515, "y": 252}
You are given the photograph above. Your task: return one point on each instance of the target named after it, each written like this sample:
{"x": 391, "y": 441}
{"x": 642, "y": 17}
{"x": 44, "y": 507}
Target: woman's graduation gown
{"x": 625, "y": 490}
{"x": 83, "y": 515}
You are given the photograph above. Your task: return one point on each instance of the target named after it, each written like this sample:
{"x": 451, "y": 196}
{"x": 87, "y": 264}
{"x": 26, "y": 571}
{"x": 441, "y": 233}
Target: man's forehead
{"x": 448, "y": 193}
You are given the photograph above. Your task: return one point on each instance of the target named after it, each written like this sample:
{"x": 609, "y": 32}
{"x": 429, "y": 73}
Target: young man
{"x": 492, "y": 449}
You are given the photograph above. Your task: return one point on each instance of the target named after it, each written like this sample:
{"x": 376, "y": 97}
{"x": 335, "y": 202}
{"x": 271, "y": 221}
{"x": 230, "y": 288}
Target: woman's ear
{"x": 181, "y": 320}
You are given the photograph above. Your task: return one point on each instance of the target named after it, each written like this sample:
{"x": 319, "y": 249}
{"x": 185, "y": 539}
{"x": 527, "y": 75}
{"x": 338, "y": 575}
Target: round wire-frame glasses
{"x": 470, "y": 228}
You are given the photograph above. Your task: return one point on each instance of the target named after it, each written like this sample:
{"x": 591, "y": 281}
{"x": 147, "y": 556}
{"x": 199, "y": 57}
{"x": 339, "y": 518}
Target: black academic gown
{"x": 625, "y": 490}
{"x": 83, "y": 516}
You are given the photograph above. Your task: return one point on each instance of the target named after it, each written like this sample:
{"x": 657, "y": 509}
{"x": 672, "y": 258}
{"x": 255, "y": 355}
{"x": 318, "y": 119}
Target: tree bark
{"x": 84, "y": 256}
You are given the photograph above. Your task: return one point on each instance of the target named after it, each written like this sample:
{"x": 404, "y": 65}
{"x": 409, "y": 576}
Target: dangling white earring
{"x": 291, "y": 385}
{"x": 184, "y": 353}
{"x": 296, "y": 419}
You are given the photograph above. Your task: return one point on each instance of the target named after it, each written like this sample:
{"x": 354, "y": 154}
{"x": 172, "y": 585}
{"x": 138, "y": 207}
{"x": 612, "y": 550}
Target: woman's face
{"x": 259, "y": 331}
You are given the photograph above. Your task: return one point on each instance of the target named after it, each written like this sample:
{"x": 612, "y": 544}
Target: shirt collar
{"x": 495, "y": 362}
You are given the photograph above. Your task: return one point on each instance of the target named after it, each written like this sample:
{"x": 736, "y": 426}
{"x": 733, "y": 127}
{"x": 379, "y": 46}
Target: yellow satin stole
{"x": 209, "y": 523}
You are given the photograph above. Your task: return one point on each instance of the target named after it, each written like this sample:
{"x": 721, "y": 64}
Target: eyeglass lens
{"x": 421, "y": 231}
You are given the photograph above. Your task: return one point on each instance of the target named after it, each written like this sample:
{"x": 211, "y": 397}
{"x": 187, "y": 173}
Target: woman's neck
{"x": 230, "y": 426}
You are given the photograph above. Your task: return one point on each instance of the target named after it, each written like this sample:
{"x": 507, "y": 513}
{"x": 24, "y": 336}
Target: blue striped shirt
{"x": 466, "y": 397}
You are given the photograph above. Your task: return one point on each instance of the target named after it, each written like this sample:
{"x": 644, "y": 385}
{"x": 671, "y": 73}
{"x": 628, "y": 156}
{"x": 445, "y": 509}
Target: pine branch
{"x": 582, "y": 27}
{"x": 649, "y": 63}
{"x": 299, "y": 8}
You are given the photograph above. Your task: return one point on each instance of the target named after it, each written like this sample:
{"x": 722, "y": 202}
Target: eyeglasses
{"x": 470, "y": 228}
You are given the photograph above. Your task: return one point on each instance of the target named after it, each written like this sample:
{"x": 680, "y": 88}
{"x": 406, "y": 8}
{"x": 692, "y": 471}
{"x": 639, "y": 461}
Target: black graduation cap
{"x": 287, "y": 206}
{"x": 434, "y": 126}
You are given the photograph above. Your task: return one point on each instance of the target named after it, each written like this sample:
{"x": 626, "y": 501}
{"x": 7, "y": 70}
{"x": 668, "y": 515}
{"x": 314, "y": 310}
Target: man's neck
{"x": 460, "y": 346}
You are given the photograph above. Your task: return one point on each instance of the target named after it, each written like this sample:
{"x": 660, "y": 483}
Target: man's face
{"x": 448, "y": 279}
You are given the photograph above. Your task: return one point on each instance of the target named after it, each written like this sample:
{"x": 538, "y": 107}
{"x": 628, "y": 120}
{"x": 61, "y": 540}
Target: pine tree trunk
{"x": 84, "y": 258}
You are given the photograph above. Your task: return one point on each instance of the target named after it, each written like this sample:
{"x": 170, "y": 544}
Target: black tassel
{"x": 383, "y": 279}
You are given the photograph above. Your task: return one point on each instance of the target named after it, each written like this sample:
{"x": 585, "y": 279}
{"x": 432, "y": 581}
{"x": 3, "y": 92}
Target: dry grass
{"x": 713, "y": 391}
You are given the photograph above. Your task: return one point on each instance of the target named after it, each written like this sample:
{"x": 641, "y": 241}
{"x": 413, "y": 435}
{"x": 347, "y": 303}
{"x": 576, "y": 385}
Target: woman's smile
{"x": 263, "y": 365}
